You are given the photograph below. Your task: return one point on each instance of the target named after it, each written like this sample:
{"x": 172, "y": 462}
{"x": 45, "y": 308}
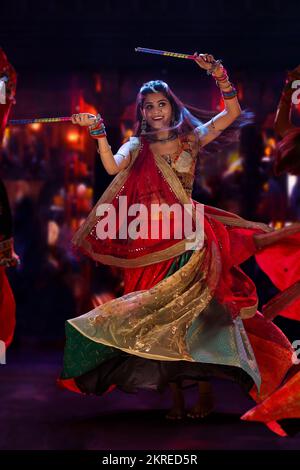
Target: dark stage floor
{"x": 36, "y": 414}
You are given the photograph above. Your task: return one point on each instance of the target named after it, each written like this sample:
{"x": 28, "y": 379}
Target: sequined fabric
{"x": 183, "y": 163}
{"x": 153, "y": 323}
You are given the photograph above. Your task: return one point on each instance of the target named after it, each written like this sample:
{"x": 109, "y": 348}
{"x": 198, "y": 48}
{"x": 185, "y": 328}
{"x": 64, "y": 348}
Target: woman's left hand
{"x": 83, "y": 119}
{"x": 205, "y": 61}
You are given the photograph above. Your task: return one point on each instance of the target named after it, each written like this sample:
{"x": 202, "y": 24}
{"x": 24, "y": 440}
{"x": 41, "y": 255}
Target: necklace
{"x": 171, "y": 137}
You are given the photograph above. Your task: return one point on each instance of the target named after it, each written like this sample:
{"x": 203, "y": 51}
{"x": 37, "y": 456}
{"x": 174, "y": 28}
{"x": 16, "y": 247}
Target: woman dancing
{"x": 186, "y": 313}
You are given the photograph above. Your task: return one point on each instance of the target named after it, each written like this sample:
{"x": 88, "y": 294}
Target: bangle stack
{"x": 229, "y": 95}
{"x": 214, "y": 66}
{"x": 222, "y": 80}
{"x": 97, "y": 130}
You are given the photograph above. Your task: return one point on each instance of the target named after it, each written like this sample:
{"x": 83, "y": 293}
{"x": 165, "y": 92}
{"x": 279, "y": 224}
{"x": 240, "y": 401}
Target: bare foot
{"x": 203, "y": 408}
{"x": 176, "y": 413}
{"x": 205, "y": 404}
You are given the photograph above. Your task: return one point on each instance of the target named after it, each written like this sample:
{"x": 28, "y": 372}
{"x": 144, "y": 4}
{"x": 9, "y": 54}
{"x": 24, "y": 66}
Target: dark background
{"x": 254, "y": 35}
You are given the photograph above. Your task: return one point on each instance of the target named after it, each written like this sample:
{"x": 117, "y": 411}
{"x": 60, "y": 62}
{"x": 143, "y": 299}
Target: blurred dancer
{"x": 7, "y": 255}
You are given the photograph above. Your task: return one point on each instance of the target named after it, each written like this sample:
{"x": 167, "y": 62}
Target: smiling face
{"x": 157, "y": 110}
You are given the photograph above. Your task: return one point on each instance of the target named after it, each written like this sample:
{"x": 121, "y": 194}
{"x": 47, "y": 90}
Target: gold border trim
{"x": 131, "y": 351}
{"x": 240, "y": 222}
{"x": 248, "y": 312}
{"x": 145, "y": 260}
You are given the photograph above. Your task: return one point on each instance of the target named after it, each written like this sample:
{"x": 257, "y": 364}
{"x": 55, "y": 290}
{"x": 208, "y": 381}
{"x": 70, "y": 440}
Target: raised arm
{"x": 112, "y": 163}
{"x": 213, "y": 128}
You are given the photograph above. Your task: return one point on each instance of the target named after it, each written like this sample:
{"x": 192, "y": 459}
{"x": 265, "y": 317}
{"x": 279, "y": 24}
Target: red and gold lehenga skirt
{"x": 189, "y": 314}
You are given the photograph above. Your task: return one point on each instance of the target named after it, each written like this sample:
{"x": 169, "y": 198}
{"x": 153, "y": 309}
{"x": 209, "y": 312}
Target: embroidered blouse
{"x": 183, "y": 161}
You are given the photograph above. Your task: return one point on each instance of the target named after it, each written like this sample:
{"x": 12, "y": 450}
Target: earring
{"x": 173, "y": 120}
{"x": 143, "y": 126}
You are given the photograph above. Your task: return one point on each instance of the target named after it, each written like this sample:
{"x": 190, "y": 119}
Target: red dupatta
{"x": 143, "y": 184}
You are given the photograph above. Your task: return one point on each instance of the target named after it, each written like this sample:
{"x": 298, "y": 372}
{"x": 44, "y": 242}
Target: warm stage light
{"x": 72, "y": 136}
{"x": 98, "y": 82}
{"x": 272, "y": 142}
{"x": 35, "y": 126}
{"x": 268, "y": 151}
{"x": 6, "y": 137}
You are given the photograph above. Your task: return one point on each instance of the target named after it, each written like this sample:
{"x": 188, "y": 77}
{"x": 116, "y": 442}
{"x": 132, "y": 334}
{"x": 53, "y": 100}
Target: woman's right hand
{"x": 83, "y": 119}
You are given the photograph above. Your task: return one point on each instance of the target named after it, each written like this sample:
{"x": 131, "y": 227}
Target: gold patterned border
{"x": 129, "y": 350}
{"x": 145, "y": 260}
{"x": 106, "y": 197}
{"x": 248, "y": 312}
{"x": 240, "y": 222}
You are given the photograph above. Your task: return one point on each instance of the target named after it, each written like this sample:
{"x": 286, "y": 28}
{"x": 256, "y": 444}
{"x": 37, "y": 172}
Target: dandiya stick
{"x": 41, "y": 120}
{"x": 178, "y": 55}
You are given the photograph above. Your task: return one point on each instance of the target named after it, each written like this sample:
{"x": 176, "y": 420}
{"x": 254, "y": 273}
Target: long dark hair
{"x": 185, "y": 117}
